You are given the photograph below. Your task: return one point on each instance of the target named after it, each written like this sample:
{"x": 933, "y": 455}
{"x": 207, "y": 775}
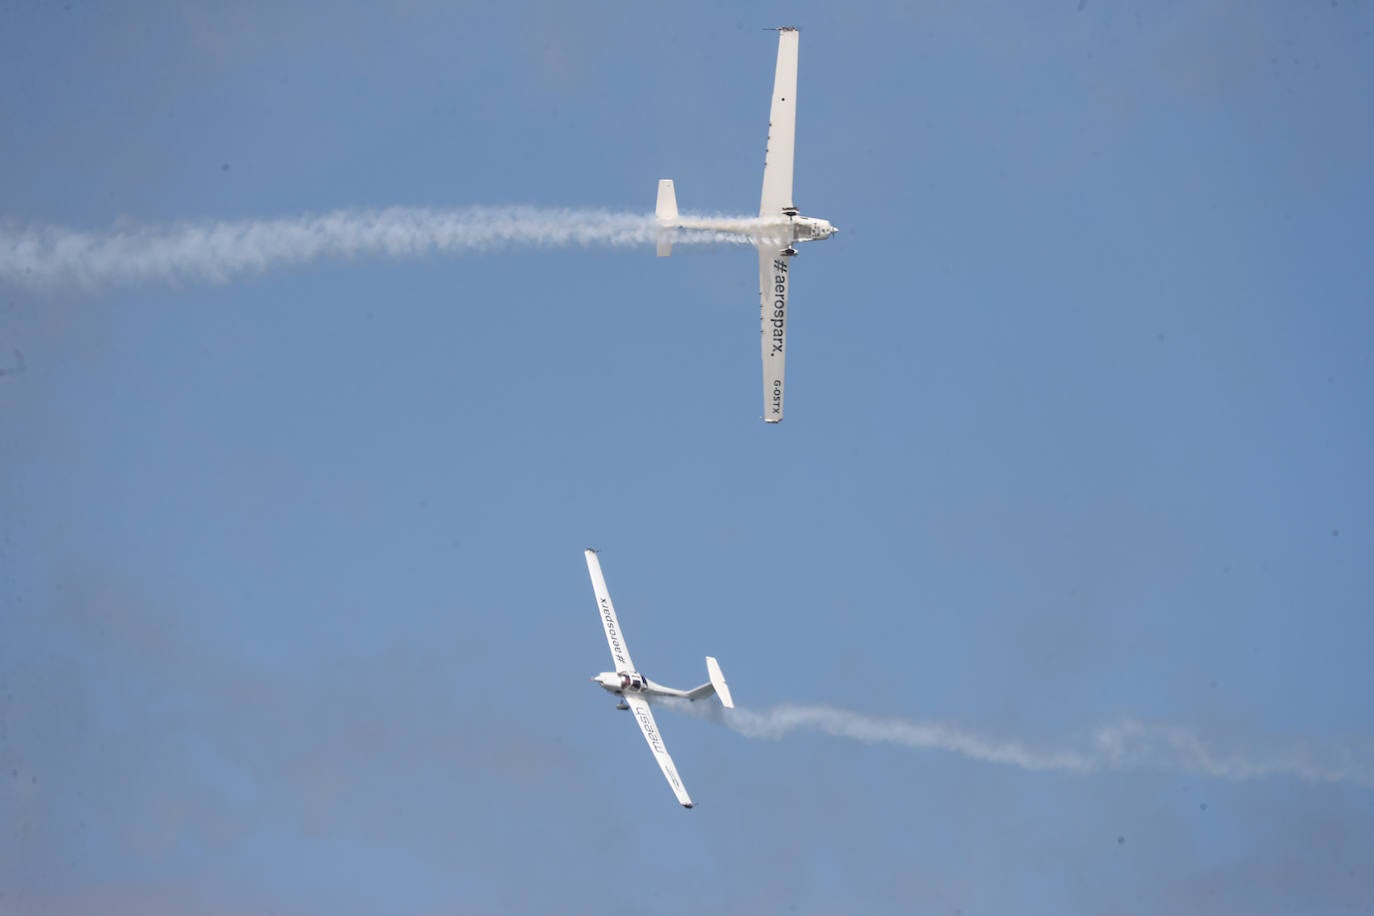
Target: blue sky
{"x": 295, "y": 613}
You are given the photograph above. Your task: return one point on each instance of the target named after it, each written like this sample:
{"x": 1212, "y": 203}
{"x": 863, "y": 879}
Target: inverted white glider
{"x": 635, "y": 690}
{"x": 779, "y": 228}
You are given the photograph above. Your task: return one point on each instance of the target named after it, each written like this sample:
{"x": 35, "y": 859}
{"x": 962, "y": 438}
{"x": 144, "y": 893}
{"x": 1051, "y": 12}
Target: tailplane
{"x": 666, "y": 211}
{"x": 718, "y": 682}
{"x": 716, "y": 686}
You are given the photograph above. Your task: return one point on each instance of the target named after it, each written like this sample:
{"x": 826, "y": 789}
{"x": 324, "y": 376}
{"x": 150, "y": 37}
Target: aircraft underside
{"x": 778, "y": 229}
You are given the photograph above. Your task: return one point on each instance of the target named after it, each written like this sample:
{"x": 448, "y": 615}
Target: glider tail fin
{"x": 716, "y": 685}
{"x": 666, "y": 211}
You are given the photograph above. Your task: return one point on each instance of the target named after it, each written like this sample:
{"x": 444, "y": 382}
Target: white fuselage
{"x": 623, "y": 682}
{"x": 779, "y": 231}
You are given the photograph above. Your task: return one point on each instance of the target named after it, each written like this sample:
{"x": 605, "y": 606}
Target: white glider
{"x": 635, "y": 690}
{"x": 779, "y": 227}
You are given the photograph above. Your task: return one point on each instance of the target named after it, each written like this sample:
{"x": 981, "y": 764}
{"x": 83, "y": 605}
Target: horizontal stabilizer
{"x": 718, "y": 682}
{"x": 666, "y": 211}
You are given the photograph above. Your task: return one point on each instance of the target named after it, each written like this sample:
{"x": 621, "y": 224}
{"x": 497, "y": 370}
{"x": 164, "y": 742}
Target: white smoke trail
{"x": 1125, "y": 746}
{"x": 218, "y": 251}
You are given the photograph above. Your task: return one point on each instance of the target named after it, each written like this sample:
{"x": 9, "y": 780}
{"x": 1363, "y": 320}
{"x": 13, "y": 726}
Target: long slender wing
{"x": 782, "y": 128}
{"x": 773, "y": 321}
{"x": 640, "y": 707}
{"x": 614, "y": 638}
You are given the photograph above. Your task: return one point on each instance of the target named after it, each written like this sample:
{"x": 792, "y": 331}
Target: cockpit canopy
{"x": 810, "y": 227}
{"x": 631, "y": 681}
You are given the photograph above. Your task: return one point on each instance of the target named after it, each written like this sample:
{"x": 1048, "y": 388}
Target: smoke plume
{"x": 1124, "y": 746}
{"x": 219, "y": 251}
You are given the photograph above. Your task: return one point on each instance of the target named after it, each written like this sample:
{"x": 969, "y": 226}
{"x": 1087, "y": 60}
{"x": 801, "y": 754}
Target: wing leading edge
{"x": 773, "y": 271}
{"x": 640, "y": 707}
{"x": 614, "y": 638}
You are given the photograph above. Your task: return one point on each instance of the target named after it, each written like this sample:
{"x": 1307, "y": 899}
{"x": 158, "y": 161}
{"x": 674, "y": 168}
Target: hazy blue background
{"x": 295, "y": 617}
